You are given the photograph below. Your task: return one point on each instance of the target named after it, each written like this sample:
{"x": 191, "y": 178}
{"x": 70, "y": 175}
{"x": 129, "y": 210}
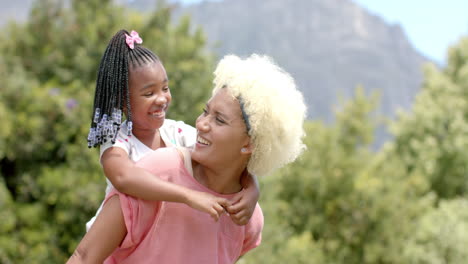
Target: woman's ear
{"x": 247, "y": 149}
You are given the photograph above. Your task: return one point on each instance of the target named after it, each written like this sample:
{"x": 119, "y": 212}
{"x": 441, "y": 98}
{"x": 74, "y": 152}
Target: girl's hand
{"x": 244, "y": 204}
{"x": 208, "y": 203}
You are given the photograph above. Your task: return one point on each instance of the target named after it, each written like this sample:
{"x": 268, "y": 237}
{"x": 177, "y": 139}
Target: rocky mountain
{"x": 329, "y": 46}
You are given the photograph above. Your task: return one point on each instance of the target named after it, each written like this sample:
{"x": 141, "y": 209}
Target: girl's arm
{"x": 106, "y": 234}
{"x": 138, "y": 182}
{"x": 244, "y": 202}
{"x": 132, "y": 180}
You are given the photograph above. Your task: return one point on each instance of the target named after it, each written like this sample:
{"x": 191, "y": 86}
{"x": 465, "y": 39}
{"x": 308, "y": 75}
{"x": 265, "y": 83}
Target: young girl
{"x": 132, "y": 81}
{"x": 232, "y": 137}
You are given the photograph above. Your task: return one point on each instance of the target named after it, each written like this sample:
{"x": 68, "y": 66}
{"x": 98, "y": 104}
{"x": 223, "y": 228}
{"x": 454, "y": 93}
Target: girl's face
{"x": 221, "y": 132}
{"x": 149, "y": 96}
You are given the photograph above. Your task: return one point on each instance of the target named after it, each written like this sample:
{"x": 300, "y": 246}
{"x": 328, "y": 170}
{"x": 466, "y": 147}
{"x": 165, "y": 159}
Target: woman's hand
{"x": 208, "y": 203}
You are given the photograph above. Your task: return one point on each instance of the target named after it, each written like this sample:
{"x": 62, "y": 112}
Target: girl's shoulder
{"x": 175, "y": 125}
{"x": 178, "y": 133}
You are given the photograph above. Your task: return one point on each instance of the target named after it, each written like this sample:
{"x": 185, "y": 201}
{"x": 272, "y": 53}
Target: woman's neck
{"x": 223, "y": 180}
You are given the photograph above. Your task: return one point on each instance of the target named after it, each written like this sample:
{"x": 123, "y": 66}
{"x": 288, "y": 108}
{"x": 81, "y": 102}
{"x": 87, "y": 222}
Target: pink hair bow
{"x": 132, "y": 39}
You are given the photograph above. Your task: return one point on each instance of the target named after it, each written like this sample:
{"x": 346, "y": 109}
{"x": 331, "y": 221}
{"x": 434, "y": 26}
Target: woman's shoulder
{"x": 253, "y": 231}
{"x": 256, "y": 221}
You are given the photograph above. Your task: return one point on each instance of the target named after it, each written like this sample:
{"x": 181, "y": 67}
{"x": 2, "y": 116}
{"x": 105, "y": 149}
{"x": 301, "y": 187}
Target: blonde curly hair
{"x": 274, "y": 108}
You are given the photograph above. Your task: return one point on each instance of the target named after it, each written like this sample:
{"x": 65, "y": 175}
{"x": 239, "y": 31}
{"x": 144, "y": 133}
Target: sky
{"x": 432, "y": 26}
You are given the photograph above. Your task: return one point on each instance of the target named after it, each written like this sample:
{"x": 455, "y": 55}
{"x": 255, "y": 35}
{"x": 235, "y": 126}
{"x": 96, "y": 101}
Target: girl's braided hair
{"x": 112, "y": 94}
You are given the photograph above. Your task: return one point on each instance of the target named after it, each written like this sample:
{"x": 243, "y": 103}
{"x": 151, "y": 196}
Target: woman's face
{"x": 221, "y": 132}
{"x": 149, "y": 96}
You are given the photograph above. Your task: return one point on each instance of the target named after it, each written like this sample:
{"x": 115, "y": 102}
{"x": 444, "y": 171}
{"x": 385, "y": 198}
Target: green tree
{"x": 50, "y": 183}
{"x": 341, "y": 202}
{"x": 441, "y": 235}
{"x": 433, "y": 137}
{"x": 319, "y": 190}
{"x": 431, "y": 141}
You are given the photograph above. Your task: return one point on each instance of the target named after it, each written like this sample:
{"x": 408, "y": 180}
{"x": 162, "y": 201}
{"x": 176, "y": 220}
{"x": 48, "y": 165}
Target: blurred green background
{"x": 342, "y": 202}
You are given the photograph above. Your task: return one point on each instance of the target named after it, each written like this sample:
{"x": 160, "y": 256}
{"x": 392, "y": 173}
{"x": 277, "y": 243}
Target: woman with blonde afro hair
{"x": 254, "y": 122}
{"x": 273, "y": 109}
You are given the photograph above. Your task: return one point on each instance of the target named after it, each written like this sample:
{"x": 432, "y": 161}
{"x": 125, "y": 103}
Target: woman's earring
{"x": 243, "y": 150}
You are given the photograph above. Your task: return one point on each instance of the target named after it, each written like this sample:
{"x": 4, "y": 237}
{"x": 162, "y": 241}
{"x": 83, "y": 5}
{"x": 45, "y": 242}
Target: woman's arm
{"x": 138, "y": 182}
{"x": 106, "y": 234}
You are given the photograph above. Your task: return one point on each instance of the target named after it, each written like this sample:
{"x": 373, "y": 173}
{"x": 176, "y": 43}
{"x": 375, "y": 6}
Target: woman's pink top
{"x": 172, "y": 233}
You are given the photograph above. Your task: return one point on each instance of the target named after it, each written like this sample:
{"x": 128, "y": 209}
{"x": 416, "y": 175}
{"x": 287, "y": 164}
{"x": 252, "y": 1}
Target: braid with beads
{"x": 112, "y": 94}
